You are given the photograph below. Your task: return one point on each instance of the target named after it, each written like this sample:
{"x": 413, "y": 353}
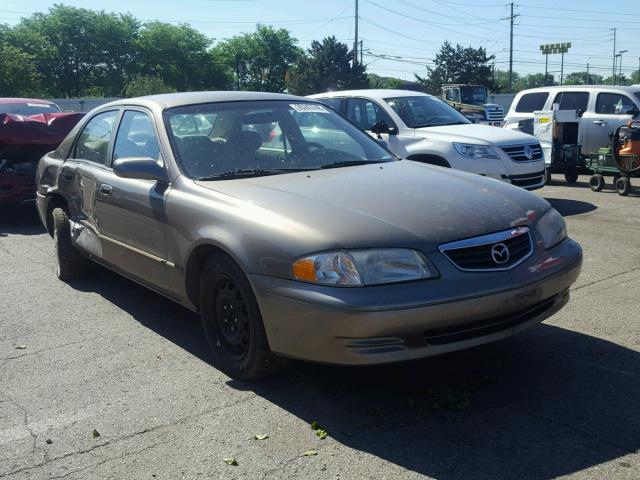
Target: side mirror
{"x": 141, "y": 168}
{"x": 629, "y": 110}
{"x": 382, "y": 127}
{"x": 580, "y": 112}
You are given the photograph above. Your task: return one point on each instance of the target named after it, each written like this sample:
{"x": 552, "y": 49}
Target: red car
{"x": 29, "y": 128}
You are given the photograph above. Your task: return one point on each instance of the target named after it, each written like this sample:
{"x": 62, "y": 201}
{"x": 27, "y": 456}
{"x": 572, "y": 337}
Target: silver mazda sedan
{"x": 294, "y": 234}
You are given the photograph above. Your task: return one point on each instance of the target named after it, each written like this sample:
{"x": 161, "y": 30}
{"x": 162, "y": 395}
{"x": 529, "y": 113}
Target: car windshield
{"x": 28, "y": 109}
{"x": 425, "y": 111}
{"x": 473, "y": 95}
{"x": 235, "y": 139}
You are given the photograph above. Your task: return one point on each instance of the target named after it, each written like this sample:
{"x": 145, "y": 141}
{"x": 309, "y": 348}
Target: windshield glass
{"x": 265, "y": 137}
{"x": 425, "y": 111}
{"x": 473, "y": 95}
{"x": 28, "y": 109}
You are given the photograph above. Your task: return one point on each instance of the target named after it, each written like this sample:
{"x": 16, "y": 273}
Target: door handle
{"x": 106, "y": 189}
{"x": 599, "y": 122}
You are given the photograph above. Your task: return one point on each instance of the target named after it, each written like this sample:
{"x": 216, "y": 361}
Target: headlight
{"x": 363, "y": 267}
{"x": 474, "y": 151}
{"x": 552, "y": 228}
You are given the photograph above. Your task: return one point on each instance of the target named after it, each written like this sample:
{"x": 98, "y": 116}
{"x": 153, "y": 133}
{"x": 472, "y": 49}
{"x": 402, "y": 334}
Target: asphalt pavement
{"x": 103, "y": 379}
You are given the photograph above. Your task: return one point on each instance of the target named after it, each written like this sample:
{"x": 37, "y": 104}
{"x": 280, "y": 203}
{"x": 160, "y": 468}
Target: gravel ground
{"x": 103, "y": 379}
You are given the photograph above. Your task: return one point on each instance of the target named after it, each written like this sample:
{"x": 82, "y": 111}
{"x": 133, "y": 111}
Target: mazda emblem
{"x": 528, "y": 152}
{"x": 500, "y": 253}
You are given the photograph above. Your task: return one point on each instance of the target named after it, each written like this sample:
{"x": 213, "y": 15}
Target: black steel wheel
{"x": 596, "y": 182}
{"x": 232, "y": 322}
{"x": 571, "y": 175}
{"x": 623, "y": 186}
{"x": 69, "y": 263}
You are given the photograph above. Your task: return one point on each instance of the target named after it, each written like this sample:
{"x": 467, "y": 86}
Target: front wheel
{"x": 596, "y": 182}
{"x": 623, "y": 186}
{"x": 69, "y": 263}
{"x": 232, "y": 322}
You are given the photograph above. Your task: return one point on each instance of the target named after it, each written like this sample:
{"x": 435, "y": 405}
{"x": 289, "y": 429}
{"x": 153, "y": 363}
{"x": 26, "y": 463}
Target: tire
{"x": 571, "y": 175}
{"x": 596, "y": 182}
{"x": 69, "y": 262}
{"x": 547, "y": 177}
{"x": 232, "y": 322}
{"x": 623, "y": 186}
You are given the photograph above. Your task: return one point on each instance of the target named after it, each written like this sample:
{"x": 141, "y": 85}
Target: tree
{"x": 261, "y": 59}
{"x": 376, "y": 81}
{"x": 457, "y": 65}
{"x": 580, "y": 78}
{"x": 76, "y": 48}
{"x": 146, "y": 85}
{"x": 20, "y": 77}
{"x": 327, "y": 66}
{"x": 532, "y": 80}
{"x": 178, "y": 55}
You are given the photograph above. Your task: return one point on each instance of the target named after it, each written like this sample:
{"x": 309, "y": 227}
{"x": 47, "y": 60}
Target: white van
{"x": 602, "y": 109}
{"x": 421, "y": 127}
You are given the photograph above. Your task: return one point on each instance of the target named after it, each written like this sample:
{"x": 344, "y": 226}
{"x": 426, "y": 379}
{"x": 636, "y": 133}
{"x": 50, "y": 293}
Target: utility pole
{"x": 620, "y": 53}
{"x": 361, "y": 62}
{"x": 511, "y": 18}
{"x": 562, "y": 67}
{"x": 613, "y": 73}
{"x": 588, "y": 82}
{"x": 355, "y": 43}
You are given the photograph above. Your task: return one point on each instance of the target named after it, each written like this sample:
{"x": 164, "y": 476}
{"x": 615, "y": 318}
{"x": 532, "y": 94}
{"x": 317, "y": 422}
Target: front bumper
{"x": 383, "y": 324}
{"x": 16, "y": 188}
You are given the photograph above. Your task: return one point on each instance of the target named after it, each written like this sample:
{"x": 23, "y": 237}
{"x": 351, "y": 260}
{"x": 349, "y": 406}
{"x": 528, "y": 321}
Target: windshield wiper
{"x": 250, "y": 172}
{"x": 351, "y": 163}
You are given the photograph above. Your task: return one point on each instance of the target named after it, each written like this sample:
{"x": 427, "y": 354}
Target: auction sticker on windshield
{"x": 308, "y": 108}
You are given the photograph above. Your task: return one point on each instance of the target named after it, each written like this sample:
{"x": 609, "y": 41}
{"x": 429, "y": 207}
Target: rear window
{"x": 531, "y": 102}
{"x": 572, "y": 100}
{"x": 28, "y": 109}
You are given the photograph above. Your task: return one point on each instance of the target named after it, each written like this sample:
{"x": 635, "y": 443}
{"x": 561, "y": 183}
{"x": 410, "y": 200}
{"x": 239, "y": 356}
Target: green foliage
{"x": 325, "y": 67}
{"x": 146, "y": 85}
{"x": 260, "y": 60}
{"x": 580, "y": 78}
{"x": 179, "y": 56}
{"x": 19, "y": 77}
{"x": 457, "y": 65}
{"x": 532, "y": 81}
{"x": 376, "y": 81}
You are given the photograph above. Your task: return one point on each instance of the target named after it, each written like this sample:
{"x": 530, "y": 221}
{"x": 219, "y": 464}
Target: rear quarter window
{"x": 530, "y": 102}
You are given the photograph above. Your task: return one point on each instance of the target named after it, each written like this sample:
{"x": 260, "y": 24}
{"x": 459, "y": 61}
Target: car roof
{"x": 5, "y": 100}
{"x": 375, "y": 93}
{"x": 169, "y": 100}
{"x": 569, "y": 88}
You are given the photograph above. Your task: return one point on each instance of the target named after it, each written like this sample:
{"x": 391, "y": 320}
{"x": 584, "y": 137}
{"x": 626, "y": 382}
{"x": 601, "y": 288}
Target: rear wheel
{"x": 571, "y": 175}
{"x": 69, "y": 263}
{"x": 232, "y": 322}
{"x": 547, "y": 177}
{"x": 623, "y": 186}
{"x": 596, "y": 182}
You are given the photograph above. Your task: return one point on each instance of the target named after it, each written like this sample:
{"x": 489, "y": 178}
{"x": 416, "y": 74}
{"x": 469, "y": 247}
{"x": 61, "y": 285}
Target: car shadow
{"x": 546, "y": 403}
{"x": 568, "y": 207}
{"x": 21, "y": 219}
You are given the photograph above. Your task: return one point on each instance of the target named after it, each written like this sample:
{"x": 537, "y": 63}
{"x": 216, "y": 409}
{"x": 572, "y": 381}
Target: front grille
{"x": 469, "y": 331}
{"x": 527, "y": 180}
{"x": 487, "y": 252}
{"x": 517, "y": 152}
{"x": 495, "y": 114}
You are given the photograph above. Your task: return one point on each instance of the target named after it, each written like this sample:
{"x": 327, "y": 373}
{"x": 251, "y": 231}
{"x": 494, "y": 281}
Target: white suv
{"x": 602, "y": 109}
{"x": 421, "y": 127}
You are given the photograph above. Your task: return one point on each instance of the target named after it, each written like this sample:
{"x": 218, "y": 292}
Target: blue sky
{"x": 401, "y": 36}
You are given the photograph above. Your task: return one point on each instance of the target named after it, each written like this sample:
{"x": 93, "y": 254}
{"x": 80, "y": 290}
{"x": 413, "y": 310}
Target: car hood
{"x": 400, "y": 203}
{"x": 476, "y": 133}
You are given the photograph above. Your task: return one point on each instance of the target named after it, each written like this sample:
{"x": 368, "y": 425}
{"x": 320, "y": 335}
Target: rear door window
{"x": 530, "y": 102}
{"x": 572, "y": 100}
{"x": 93, "y": 142}
{"x": 332, "y": 102}
{"x": 612, "y": 103}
